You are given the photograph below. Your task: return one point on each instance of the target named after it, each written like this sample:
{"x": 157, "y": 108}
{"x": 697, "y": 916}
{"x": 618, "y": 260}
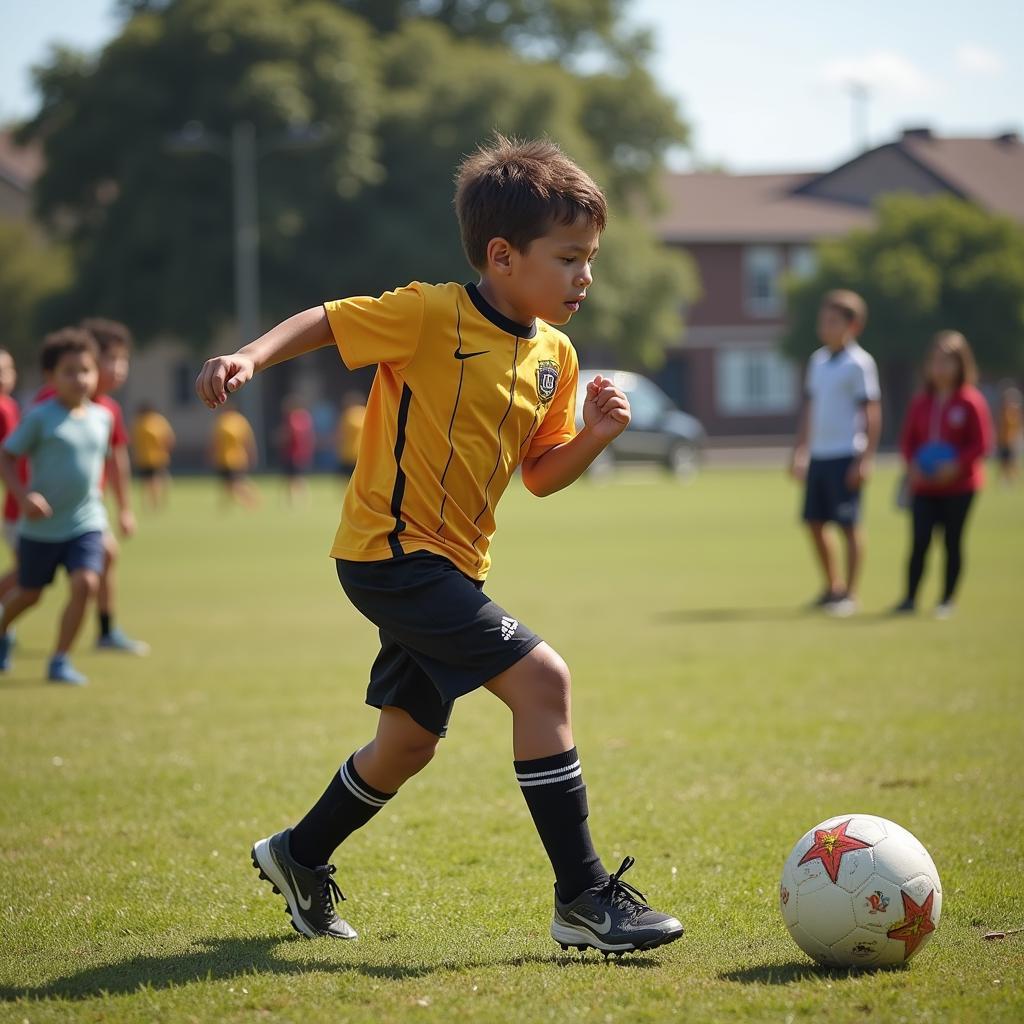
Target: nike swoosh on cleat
{"x": 602, "y": 929}
{"x": 304, "y": 901}
{"x": 469, "y": 355}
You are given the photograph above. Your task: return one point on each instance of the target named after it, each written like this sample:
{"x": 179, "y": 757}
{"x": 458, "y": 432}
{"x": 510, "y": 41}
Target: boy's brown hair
{"x": 518, "y": 190}
{"x": 848, "y": 304}
{"x": 109, "y": 334}
{"x": 66, "y": 341}
{"x": 953, "y": 343}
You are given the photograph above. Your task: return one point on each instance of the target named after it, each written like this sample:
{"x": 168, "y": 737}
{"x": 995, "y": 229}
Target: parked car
{"x": 658, "y": 431}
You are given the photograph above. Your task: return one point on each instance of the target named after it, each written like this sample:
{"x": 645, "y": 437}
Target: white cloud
{"x": 978, "y": 60}
{"x": 881, "y": 70}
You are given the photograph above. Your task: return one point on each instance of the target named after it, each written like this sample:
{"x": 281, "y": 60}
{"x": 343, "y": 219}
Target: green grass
{"x": 716, "y": 725}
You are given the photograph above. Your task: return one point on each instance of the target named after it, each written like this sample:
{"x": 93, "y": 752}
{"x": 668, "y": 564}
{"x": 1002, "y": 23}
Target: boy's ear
{"x": 499, "y": 255}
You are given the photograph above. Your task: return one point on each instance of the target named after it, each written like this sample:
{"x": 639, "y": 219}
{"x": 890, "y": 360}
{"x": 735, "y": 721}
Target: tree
{"x": 929, "y": 264}
{"x": 403, "y": 99}
{"x": 32, "y": 272}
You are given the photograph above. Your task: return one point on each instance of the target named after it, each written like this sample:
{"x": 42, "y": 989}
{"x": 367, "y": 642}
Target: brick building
{"x": 746, "y": 231}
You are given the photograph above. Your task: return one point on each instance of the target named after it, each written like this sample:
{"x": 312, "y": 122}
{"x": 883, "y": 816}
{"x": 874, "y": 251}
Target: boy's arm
{"x": 605, "y": 416}
{"x": 119, "y": 471}
{"x": 299, "y": 334}
{"x": 798, "y": 460}
{"x": 860, "y": 469}
{"x": 32, "y": 504}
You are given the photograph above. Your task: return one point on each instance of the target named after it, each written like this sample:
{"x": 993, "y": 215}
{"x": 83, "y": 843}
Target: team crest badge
{"x": 547, "y": 379}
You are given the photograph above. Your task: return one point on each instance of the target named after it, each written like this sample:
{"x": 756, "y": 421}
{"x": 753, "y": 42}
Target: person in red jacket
{"x": 946, "y": 435}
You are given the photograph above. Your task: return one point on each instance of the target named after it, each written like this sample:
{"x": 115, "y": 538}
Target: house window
{"x": 803, "y": 261}
{"x": 762, "y": 266}
{"x": 754, "y": 381}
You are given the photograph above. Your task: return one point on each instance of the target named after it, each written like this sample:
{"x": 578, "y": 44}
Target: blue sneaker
{"x": 6, "y": 643}
{"x": 62, "y": 671}
{"x": 115, "y": 640}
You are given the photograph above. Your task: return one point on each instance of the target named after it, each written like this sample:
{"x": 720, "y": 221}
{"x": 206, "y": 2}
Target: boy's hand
{"x": 798, "y": 464}
{"x": 222, "y": 376}
{"x": 858, "y": 473}
{"x": 35, "y": 506}
{"x": 605, "y": 410}
{"x": 126, "y": 522}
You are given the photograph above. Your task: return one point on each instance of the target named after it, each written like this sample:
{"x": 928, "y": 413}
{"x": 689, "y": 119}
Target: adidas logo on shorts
{"x": 508, "y": 627}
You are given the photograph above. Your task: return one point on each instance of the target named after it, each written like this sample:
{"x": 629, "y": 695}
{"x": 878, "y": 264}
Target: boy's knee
{"x": 550, "y": 683}
{"x": 31, "y": 597}
{"x": 420, "y": 752}
{"x": 85, "y": 582}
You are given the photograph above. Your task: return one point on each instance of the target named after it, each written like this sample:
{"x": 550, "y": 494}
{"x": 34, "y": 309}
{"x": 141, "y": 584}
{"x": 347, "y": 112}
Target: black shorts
{"x": 231, "y": 476}
{"x": 149, "y": 472}
{"x": 38, "y": 560}
{"x": 440, "y": 636}
{"x": 827, "y": 499}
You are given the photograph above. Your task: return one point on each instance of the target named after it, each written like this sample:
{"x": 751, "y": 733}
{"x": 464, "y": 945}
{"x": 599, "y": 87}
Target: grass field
{"x": 716, "y": 722}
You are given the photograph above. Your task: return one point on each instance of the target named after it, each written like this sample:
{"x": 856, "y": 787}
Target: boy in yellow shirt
{"x": 233, "y": 451}
{"x": 472, "y": 382}
{"x": 152, "y": 443}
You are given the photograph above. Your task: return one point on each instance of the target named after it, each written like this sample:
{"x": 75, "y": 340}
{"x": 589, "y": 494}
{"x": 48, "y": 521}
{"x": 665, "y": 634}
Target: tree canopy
{"x": 398, "y": 98}
{"x": 930, "y": 264}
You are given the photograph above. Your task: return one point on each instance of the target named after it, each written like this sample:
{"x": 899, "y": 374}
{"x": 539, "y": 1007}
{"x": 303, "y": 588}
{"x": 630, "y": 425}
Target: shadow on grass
{"x": 224, "y": 959}
{"x": 799, "y": 970}
{"x": 731, "y": 615}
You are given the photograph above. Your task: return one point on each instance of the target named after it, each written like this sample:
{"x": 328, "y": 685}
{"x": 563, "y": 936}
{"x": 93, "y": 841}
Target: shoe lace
{"x": 623, "y": 894}
{"x": 330, "y": 893}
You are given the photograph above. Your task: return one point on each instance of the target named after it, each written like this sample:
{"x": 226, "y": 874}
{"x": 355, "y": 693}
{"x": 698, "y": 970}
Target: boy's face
{"x": 74, "y": 378}
{"x": 834, "y": 330}
{"x": 550, "y": 279}
{"x": 8, "y": 374}
{"x": 113, "y": 369}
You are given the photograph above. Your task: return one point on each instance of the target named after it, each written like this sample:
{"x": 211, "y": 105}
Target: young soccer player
{"x": 838, "y": 437}
{"x": 232, "y": 452}
{"x": 152, "y": 443}
{"x": 297, "y": 443}
{"x": 66, "y": 439}
{"x": 472, "y": 381}
{"x": 114, "y": 341}
{"x": 950, "y": 411}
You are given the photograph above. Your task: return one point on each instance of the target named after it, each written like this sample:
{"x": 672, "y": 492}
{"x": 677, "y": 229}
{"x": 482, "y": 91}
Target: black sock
{"x": 557, "y": 798}
{"x": 105, "y": 618}
{"x": 348, "y": 803}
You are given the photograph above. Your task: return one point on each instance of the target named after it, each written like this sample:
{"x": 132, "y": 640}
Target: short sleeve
{"x": 866, "y": 387}
{"x": 25, "y": 435}
{"x": 383, "y": 330}
{"x": 559, "y": 423}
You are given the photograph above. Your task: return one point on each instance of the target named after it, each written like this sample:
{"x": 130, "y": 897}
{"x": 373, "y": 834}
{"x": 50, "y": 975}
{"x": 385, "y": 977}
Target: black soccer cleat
{"x": 311, "y": 894}
{"x": 613, "y": 918}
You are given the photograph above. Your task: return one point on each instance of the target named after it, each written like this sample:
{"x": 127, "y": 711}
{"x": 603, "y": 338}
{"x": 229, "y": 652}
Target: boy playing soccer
{"x": 66, "y": 439}
{"x": 471, "y": 382}
{"x": 839, "y": 431}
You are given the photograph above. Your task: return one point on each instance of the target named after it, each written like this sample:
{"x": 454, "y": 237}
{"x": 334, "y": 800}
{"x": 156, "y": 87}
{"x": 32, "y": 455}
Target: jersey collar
{"x": 502, "y": 322}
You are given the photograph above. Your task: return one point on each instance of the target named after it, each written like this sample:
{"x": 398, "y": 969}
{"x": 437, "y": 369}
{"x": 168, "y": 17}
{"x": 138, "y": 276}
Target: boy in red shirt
{"x": 297, "y": 440}
{"x": 946, "y": 435}
{"x": 10, "y": 414}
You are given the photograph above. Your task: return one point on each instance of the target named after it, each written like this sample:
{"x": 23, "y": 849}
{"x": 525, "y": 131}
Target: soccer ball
{"x": 860, "y": 891}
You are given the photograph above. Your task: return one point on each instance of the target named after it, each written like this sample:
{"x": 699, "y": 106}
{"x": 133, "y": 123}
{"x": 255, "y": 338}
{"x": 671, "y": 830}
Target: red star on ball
{"x": 916, "y": 924}
{"x": 830, "y": 844}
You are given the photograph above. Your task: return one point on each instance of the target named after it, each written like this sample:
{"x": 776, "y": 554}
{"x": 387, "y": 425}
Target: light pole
{"x": 243, "y": 152}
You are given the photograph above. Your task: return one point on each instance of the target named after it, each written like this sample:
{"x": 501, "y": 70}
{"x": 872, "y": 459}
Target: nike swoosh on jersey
{"x": 602, "y": 929}
{"x": 469, "y": 355}
{"x": 304, "y": 901}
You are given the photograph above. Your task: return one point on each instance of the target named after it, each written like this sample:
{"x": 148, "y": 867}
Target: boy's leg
{"x": 854, "y": 536}
{"x": 826, "y": 556}
{"x": 591, "y": 908}
{"x": 84, "y": 584}
{"x": 111, "y": 637}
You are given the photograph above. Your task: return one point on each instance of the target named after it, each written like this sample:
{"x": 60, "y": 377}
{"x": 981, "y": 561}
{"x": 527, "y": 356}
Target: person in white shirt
{"x": 839, "y": 430}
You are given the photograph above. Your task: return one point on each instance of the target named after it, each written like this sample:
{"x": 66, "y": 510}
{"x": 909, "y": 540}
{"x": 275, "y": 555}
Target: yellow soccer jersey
{"x": 462, "y": 395}
{"x": 232, "y": 439}
{"x": 152, "y": 439}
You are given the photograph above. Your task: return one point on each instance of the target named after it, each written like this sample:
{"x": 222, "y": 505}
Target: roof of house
{"x": 718, "y": 207}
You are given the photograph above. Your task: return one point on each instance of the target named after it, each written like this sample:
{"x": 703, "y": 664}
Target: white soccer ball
{"x": 858, "y": 890}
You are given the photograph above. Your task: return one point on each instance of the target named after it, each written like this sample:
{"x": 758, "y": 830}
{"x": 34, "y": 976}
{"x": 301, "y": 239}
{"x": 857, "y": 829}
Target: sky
{"x": 764, "y": 86}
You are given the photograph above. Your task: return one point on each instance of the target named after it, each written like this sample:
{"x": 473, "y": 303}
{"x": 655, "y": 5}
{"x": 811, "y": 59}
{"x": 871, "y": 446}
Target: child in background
{"x": 297, "y": 441}
{"x": 152, "y": 443}
{"x": 1010, "y": 430}
{"x": 233, "y": 451}
{"x": 9, "y": 416}
{"x": 349, "y": 432}
{"x": 66, "y": 439}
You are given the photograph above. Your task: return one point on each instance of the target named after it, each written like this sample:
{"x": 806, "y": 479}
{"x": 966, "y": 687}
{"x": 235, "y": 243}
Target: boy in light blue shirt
{"x": 66, "y": 440}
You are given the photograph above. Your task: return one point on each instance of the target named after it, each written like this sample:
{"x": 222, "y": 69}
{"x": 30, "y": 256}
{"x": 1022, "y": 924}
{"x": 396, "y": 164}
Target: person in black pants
{"x": 946, "y": 434}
